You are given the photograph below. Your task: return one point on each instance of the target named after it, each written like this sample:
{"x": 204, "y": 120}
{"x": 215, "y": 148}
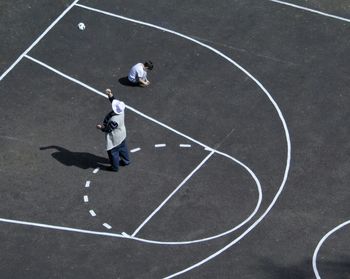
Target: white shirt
{"x": 137, "y": 72}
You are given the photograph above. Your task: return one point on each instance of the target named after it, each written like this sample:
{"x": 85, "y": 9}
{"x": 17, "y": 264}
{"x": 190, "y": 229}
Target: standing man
{"x": 138, "y": 73}
{"x": 114, "y": 129}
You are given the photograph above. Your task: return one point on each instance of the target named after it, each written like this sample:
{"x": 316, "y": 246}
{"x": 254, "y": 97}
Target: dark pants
{"x": 119, "y": 156}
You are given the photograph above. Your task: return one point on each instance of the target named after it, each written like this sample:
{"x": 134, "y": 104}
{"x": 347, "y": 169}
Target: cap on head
{"x": 148, "y": 64}
{"x": 118, "y": 106}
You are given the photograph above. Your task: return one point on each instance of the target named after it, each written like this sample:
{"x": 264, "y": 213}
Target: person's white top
{"x": 137, "y": 72}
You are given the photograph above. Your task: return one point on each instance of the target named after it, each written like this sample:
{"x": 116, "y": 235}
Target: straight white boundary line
{"x": 173, "y": 193}
{"x": 314, "y": 258}
{"x": 285, "y": 176}
{"x": 310, "y": 10}
{"x": 181, "y": 134}
{"x": 60, "y": 228}
{"x": 65, "y": 76}
{"x": 38, "y": 39}
{"x": 104, "y": 95}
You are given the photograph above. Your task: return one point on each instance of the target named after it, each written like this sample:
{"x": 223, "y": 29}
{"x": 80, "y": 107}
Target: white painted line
{"x": 46, "y": 226}
{"x": 173, "y": 193}
{"x": 160, "y": 145}
{"x": 104, "y": 95}
{"x": 125, "y": 234}
{"x": 96, "y": 170}
{"x": 93, "y": 214}
{"x": 258, "y": 185}
{"x": 165, "y": 126}
{"x": 38, "y": 39}
{"x": 64, "y": 75}
{"x": 185, "y": 145}
{"x": 87, "y": 184}
{"x": 107, "y": 226}
{"x": 135, "y": 150}
{"x": 86, "y": 198}
{"x": 280, "y": 114}
{"x": 314, "y": 257}
{"x": 310, "y": 10}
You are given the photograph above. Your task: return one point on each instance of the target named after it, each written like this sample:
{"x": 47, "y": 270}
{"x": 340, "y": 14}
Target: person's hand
{"x": 109, "y": 92}
{"x": 144, "y": 83}
{"x": 99, "y": 126}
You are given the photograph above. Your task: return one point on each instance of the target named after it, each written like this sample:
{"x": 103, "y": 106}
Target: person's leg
{"x": 110, "y": 156}
{"x": 113, "y": 155}
{"x": 124, "y": 154}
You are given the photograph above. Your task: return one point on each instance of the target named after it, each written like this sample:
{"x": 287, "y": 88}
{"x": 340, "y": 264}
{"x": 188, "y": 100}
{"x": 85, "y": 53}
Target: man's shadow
{"x": 81, "y": 160}
{"x": 126, "y": 82}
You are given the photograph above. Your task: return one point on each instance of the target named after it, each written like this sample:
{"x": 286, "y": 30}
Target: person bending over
{"x": 138, "y": 73}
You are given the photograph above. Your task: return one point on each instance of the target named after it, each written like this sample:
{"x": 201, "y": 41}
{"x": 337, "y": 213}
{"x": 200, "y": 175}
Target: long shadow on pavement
{"x": 81, "y": 160}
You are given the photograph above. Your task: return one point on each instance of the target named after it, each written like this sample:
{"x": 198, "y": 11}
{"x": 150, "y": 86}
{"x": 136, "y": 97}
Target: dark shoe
{"x": 123, "y": 164}
{"x": 113, "y": 169}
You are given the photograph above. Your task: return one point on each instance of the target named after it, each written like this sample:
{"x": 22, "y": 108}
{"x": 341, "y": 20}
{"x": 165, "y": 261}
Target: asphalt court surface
{"x": 50, "y": 145}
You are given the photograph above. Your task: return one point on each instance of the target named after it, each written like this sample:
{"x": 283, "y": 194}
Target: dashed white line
{"x": 184, "y": 145}
{"x": 160, "y": 145}
{"x": 107, "y": 226}
{"x": 86, "y": 198}
{"x": 96, "y": 170}
{"x": 104, "y": 95}
{"x": 135, "y": 150}
{"x": 87, "y": 184}
{"x": 93, "y": 214}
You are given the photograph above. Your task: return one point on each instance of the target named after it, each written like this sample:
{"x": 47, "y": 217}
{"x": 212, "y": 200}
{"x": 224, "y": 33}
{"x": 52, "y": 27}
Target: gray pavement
{"x": 50, "y": 147}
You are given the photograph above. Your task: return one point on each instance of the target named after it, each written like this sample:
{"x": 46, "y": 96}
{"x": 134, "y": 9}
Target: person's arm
{"x": 109, "y": 127}
{"x": 142, "y": 77}
{"x": 110, "y": 95}
{"x": 144, "y": 82}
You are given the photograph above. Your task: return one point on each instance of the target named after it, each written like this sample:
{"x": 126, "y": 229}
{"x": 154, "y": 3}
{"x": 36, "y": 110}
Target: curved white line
{"x": 310, "y": 10}
{"x": 137, "y": 149}
{"x": 257, "y": 182}
{"x": 314, "y": 257}
{"x": 172, "y": 193}
{"x": 285, "y": 176}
